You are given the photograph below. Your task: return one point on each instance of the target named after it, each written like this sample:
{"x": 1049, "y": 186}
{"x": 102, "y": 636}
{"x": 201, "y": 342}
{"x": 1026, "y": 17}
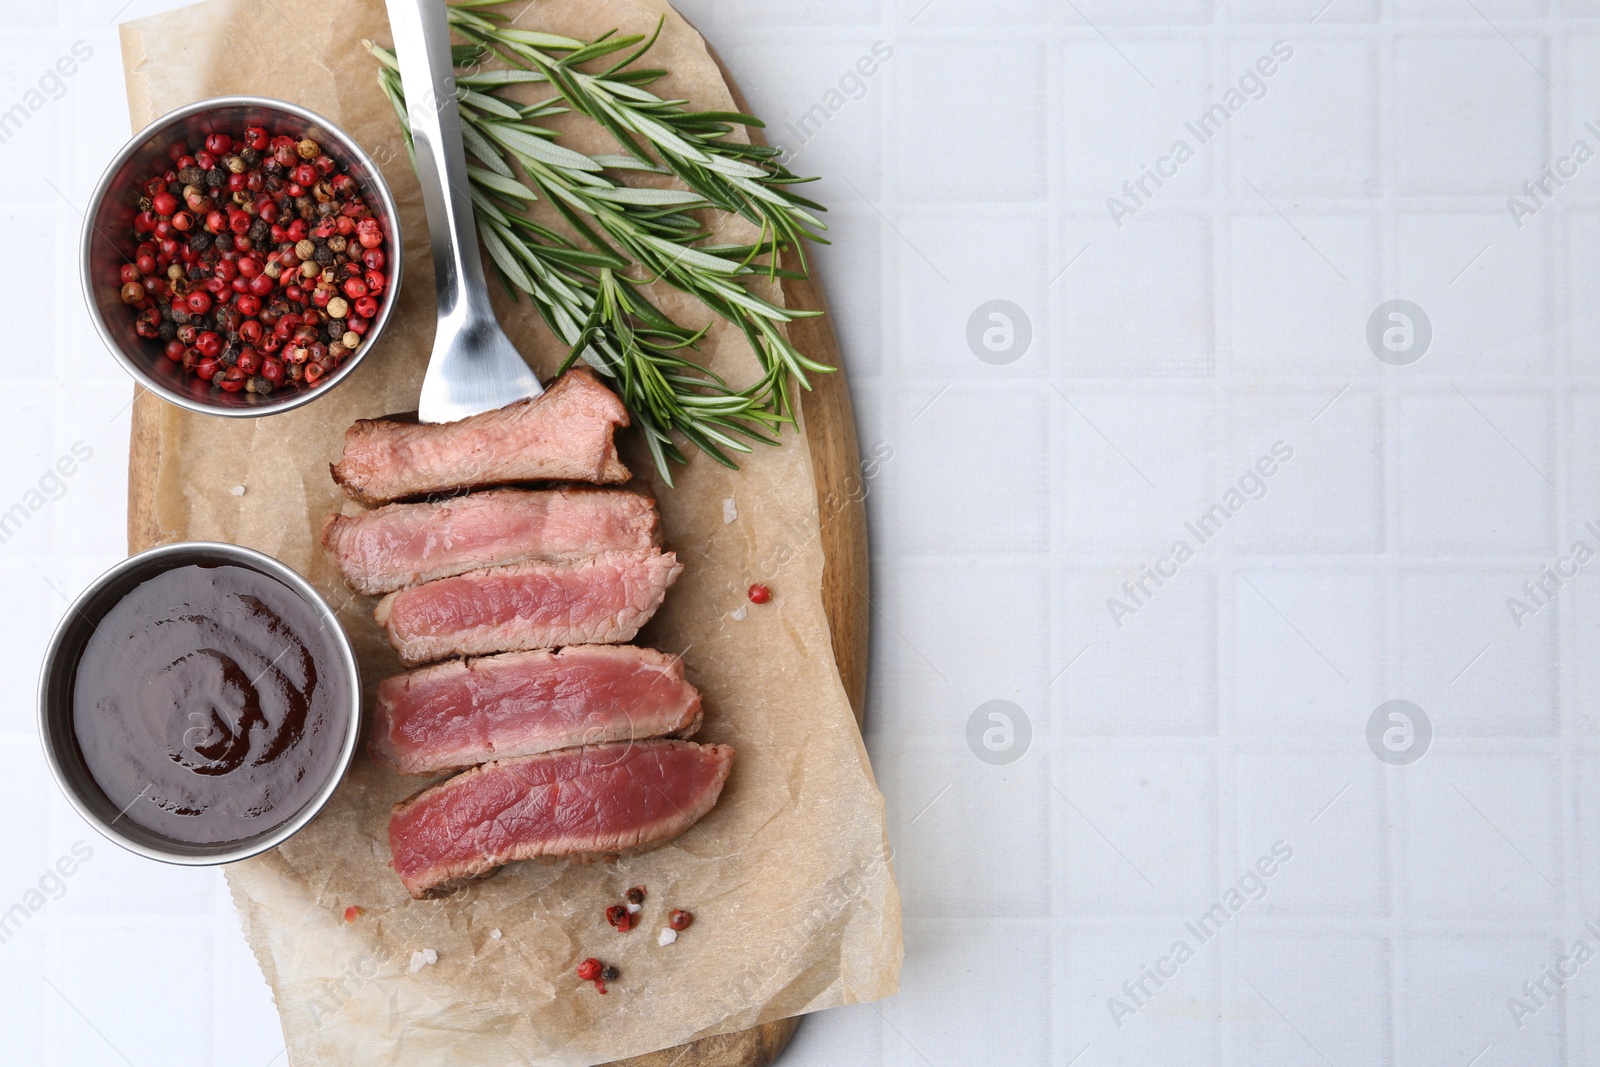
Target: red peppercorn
{"x": 619, "y": 916}
{"x": 589, "y": 969}
{"x": 261, "y": 285}
{"x": 680, "y": 919}
{"x": 209, "y": 344}
{"x": 174, "y": 350}
{"x": 313, "y": 373}
{"x": 368, "y": 234}
{"x": 205, "y": 160}
{"x": 256, "y": 137}
{"x": 272, "y": 369}
{"x": 198, "y": 302}
{"x": 249, "y": 360}
{"x": 205, "y": 368}
{"x": 146, "y": 263}
{"x": 148, "y": 323}
{"x": 164, "y": 203}
{"x": 305, "y": 174}
{"x": 374, "y": 280}
{"x": 366, "y": 308}
{"x": 760, "y": 594}
{"x": 232, "y": 380}
{"x": 219, "y": 144}
{"x": 355, "y": 288}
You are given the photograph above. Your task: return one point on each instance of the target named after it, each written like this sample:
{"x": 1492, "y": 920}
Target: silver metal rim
{"x": 103, "y": 188}
{"x": 227, "y": 553}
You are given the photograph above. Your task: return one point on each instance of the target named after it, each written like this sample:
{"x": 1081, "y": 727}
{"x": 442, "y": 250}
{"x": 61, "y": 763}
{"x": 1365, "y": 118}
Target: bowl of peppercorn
{"x": 241, "y": 256}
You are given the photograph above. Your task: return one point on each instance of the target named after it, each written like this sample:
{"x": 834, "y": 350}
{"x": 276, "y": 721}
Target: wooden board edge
{"x": 830, "y": 430}
{"x": 144, "y": 463}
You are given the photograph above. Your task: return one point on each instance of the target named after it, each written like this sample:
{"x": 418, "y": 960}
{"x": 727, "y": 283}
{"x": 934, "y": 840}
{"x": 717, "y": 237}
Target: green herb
{"x": 590, "y": 294}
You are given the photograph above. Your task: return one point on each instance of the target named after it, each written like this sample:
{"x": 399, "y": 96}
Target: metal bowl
{"x": 55, "y": 703}
{"x": 108, "y": 243}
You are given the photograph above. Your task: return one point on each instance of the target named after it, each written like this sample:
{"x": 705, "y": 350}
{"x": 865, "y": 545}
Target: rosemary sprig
{"x": 583, "y": 293}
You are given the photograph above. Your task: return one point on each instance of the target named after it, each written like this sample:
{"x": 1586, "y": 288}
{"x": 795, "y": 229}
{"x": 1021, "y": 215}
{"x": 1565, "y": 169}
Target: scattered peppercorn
{"x": 592, "y": 970}
{"x": 680, "y": 919}
{"x": 352, "y": 913}
{"x": 246, "y": 243}
{"x": 760, "y": 594}
{"x": 636, "y": 895}
{"x": 619, "y": 916}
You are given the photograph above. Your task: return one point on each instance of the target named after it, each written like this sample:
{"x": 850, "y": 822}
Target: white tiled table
{"x": 1229, "y": 710}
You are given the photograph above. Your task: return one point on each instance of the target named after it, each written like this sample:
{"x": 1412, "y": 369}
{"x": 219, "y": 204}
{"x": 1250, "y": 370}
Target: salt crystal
{"x": 422, "y": 958}
{"x": 668, "y": 936}
{"x": 495, "y": 934}
{"x": 237, "y": 490}
{"x": 730, "y": 511}
{"x": 739, "y": 613}
{"x": 634, "y": 909}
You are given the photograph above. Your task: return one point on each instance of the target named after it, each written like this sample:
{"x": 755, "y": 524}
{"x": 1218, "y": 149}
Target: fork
{"x": 474, "y": 367}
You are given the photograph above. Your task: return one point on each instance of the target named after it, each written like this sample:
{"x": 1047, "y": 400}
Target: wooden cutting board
{"x": 831, "y": 433}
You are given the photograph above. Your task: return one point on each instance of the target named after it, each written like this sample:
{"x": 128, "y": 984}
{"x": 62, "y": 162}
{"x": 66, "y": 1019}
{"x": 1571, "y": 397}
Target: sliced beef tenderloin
{"x": 601, "y": 600}
{"x": 464, "y": 712}
{"x": 565, "y": 434}
{"x": 595, "y": 801}
{"x": 406, "y": 544}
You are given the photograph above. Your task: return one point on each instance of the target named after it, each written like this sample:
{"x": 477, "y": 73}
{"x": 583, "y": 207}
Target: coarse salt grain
{"x": 634, "y": 909}
{"x": 668, "y": 936}
{"x": 495, "y": 934}
{"x": 730, "y": 511}
{"x": 739, "y": 613}
{"x": 422, "y": 958}
{"x": 237, "y": 490}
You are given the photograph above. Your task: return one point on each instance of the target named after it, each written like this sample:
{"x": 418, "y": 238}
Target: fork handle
{"x": 422, "y": 46}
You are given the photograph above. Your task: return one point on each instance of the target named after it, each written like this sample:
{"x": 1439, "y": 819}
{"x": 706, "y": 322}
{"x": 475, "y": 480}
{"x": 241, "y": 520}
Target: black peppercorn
{"x": 168, "y": 329}
{"x": 259, "y": 230}
{"x": 250, "y": 156}
{"x": 609, "y": 973}
{"x": 200, "y": 241}
{"x": 224, "y": 242}
{"x": 191, "y": 175}
{"x": 215, "y": 178}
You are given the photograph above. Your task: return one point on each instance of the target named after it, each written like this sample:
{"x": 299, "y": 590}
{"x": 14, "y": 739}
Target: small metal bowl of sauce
{"x": 199, "y": 703}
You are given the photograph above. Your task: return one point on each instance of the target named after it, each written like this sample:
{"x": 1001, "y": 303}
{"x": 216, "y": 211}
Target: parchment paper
{"x": 788, "y": 876}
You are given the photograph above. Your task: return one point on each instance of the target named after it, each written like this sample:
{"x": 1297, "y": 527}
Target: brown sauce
{"x": 210, "y": 704}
